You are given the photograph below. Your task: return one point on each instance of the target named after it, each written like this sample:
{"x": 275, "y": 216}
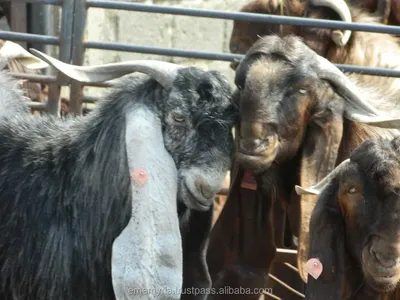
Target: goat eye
{"x": 179, "y": 118}
{"x": 352, "y": 190}
{"x": 303, "y": 91}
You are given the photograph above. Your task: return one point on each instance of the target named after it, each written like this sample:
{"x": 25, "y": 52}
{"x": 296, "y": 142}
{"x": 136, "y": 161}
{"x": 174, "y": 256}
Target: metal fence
{"x": 72, "y": 45}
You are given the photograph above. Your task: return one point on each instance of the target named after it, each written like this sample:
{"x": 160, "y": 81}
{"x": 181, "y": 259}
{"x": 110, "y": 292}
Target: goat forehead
{"x": 264, "y": 74}
{"x": 379, "y": 164}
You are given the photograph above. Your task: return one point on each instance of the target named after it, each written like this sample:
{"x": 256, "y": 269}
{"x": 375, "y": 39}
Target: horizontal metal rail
{"x": 29, "y": 37}
{"x": 34, "y": 77}
{"x": 37, "y": 105}
{"x": 51, "y": 2}
{"x": 222, "y": 56}
{"x": 163, "y": 51}
{"x": 242, "y": 16}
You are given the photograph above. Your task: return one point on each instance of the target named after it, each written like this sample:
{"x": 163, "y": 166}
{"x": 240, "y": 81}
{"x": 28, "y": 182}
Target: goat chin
{"x": 255, "y": 163}
{"x": 380, "y": 284}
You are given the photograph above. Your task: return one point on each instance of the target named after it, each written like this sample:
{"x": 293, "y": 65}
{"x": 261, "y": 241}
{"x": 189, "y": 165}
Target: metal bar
{"x": 272, "y": 296}
{"x": 286, "y": 255}
{"x": 34, "y": 77}
{"x": 252, "y": 17}
{"x": 291, "y": 267}
{"x": 51, "y": 2}
{"x": 29, "y": 37}
{"x": 18, "y": 19}
{"x": 222, "y": 56}
{"x": 66, "y": 33}
{"x": 286, "y": 285}
{"x": 162, "y": 51}
{"x": 37, "y": 106}
{"x": 77, "y": 56}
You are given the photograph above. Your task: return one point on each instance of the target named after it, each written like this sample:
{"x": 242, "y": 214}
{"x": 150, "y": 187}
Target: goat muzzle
{"x": 381, "y": 264}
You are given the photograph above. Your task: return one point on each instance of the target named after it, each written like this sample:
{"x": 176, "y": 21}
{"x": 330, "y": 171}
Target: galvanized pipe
{"x": 241, "y": 16}
{"x": 29, "y": 37}
{"x": 51, "y": 2}
{"x": 221, "y": 56}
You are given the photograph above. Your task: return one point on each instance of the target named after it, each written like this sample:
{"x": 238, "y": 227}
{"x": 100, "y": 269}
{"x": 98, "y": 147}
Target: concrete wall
{"x": 158, "y": 30}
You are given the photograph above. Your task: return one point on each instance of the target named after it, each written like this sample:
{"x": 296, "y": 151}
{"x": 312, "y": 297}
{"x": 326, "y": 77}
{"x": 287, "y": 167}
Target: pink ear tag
{"x": 139, "y": 177}
{"x": 314, "y": 267}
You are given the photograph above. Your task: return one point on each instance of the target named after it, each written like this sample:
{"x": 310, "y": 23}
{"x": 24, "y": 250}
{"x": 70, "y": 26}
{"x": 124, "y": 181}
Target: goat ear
{"x": 154, "y": 192}
{"x": 326, "y": 248}
{"x": 320, "y": 152}
{"x": 12, "y": 51}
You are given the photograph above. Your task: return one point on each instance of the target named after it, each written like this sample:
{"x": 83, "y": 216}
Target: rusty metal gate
{"x": 71, "y": 47}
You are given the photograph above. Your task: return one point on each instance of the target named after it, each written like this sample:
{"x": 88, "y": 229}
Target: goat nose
{"x": 249, "y": 144}
{"x": 205, "y": 189}
{"x": 385, "y": 261}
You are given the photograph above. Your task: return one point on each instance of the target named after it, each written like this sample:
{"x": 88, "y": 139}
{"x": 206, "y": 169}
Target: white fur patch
{"x": 147, "y": 256}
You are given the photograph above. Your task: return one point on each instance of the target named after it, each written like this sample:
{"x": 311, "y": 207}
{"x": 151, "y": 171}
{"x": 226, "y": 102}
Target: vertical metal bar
{"x": 66, "y": 33}
{"x": 78, "y": 49}
{"x": 18, "y": 19}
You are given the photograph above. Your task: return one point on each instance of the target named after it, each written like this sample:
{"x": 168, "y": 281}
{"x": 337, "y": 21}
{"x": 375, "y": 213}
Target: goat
{"x": 299, "y": 117}
{"x": 75, "y": 186}
{"x": 354, "y": 236}
{"x": 341, "y": 47}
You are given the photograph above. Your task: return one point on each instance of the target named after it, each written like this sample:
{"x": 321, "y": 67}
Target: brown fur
{"x": 314, "y": 138}
{"x": 364, "y": 48}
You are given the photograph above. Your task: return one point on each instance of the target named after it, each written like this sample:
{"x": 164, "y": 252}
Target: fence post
{"x": 76, "y": 92}
{"x": 66, "y": 33}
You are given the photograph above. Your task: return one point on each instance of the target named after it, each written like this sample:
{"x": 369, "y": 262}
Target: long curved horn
{"x": 319, "y": 187}
{"x": 340, "y": 7}
{"x": 356, "y": 108}
{"x": 163, "y": 72}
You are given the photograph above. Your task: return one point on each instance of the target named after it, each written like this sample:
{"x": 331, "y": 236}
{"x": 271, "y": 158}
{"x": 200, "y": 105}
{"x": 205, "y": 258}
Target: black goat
{"x": 68, "y": 193}
{"x": 354, "y": 227}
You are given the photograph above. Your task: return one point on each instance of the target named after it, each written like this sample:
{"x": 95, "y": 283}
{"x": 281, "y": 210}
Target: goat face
{"x": 357, "y": 217}
{"x": 196, "y": 113}
{"x": 198, "y": 121}
{"x": 278, "y": 100}
{"x": 376, "y": 201}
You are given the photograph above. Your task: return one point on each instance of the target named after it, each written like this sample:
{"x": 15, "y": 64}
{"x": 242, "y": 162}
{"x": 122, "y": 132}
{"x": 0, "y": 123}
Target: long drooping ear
{"x": 326, "y": 264}
{"x": 164, "y": 72}
{"x": 12, "y": 51}
{"x": 148, "y": 252}
{"x": 339, "y": 37}
{"x": 356, "y": 108}
{"x": 319, "y": 155}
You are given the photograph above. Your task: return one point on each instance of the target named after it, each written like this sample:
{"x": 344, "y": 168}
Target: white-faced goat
{"x": 354, "y": 248}
{"x": 70, "y": 188}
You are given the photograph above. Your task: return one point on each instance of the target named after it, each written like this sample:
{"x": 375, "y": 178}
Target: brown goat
{"x": 300, "y": 117}
{"x": 357, "y": 48}
{"x": 354, "y": 227}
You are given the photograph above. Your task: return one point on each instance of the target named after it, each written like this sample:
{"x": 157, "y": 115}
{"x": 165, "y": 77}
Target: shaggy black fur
{"x": 65, "y": 185}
